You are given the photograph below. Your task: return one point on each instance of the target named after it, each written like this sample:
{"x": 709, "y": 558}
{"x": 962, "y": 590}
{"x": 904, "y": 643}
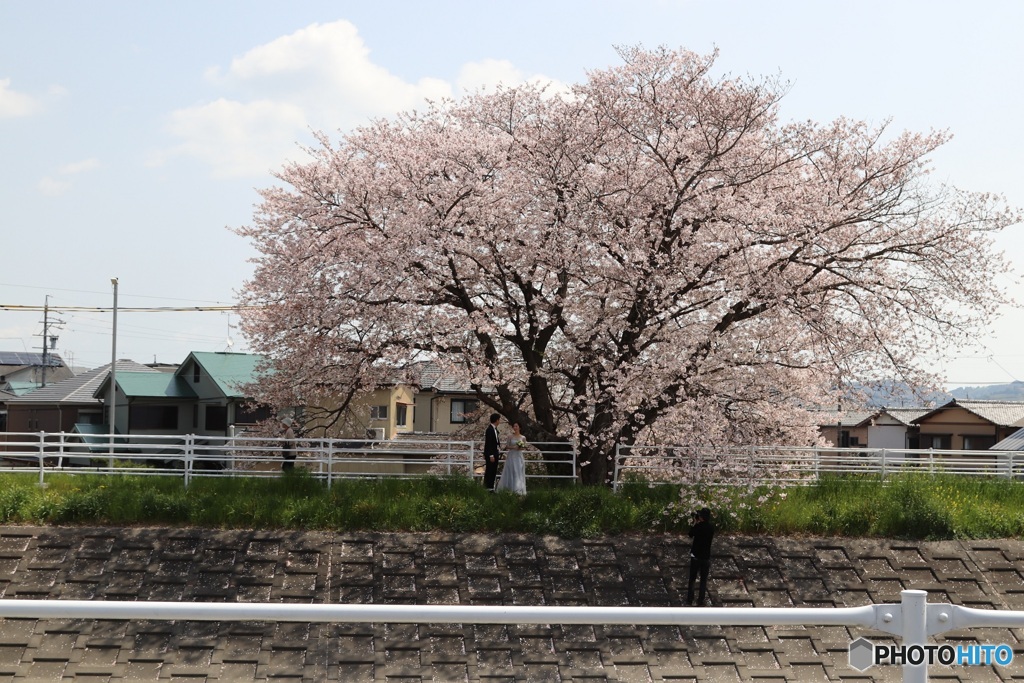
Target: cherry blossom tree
{"x": 652, "y": 256}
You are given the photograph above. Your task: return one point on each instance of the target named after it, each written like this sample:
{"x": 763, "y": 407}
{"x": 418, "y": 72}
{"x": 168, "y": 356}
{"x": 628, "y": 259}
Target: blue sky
{"x": 134, "y": 134}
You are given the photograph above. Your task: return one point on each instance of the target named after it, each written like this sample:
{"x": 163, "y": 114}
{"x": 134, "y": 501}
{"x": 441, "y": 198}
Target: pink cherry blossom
{"x": 652, "y": 257}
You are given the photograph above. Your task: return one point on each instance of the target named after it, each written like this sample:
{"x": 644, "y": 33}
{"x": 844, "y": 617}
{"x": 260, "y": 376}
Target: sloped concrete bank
{"x": 313, "y": 567}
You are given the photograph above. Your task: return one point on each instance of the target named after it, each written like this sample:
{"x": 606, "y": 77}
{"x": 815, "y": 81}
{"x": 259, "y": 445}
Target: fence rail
{"x": 789, "y": 466}
{"x": 913, "y": 619}
{"x": 190, "y": 456}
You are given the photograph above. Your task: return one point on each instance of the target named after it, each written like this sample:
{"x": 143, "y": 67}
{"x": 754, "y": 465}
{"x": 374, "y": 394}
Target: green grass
{"x": 908, "y": 506}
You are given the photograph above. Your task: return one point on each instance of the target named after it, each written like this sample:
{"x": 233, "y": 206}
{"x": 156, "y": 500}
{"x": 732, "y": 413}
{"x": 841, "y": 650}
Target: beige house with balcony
{"x": 379, "y": 415}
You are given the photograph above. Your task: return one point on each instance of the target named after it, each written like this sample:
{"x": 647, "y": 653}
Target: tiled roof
{"x": 852, "y": 418}
{"x": 80, "y": 388}
{"x": 431, "y": 378}
{"x": 1001, "y": 413}
{"x": 905, "y": 415}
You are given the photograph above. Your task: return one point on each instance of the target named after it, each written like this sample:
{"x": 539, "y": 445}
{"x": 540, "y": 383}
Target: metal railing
{"x": 913, "y": 619}
{"x": 789, "y": 466}
{"x": 189, "y": 456}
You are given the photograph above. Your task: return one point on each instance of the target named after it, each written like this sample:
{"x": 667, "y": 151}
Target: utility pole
{"x": 113, "y": 368}
{"x": 46, "y": 330}
{"x": 49, "y": 341}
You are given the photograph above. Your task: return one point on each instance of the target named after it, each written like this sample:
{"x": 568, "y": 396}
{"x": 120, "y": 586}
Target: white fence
{"x": 788, "y": 466}
{"x": 913, "y": 619}
{"x": 191, "y": 456}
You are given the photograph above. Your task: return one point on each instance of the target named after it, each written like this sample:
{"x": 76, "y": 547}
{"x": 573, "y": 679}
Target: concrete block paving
{"x": 315, "y": 567}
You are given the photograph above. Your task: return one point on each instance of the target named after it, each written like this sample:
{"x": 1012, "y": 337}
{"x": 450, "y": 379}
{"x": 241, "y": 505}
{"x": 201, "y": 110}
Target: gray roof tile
{"x": 80, "y": 388}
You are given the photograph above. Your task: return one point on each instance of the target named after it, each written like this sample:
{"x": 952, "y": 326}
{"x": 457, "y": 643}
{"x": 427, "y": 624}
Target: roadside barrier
{"x": 913, "y": 620}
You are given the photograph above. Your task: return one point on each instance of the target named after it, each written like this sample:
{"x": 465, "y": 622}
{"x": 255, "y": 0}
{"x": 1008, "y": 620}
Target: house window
{"x": 153, "y": 417}
{"x": 979, "y": 442}
{"x": 195, "y": 373}
{"x": 216, "y": 417}
{"x": 401, "y": 415}
{"x": 461, "y": 408}
{"x": 378, "y": 412}
{"x": 942, "y": 442}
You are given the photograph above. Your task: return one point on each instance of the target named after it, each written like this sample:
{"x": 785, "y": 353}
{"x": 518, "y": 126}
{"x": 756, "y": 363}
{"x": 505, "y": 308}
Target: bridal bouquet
{"x": 520, "y": 444}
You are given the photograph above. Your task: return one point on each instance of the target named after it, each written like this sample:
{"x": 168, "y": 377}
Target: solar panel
{"x": 27, "y": 358}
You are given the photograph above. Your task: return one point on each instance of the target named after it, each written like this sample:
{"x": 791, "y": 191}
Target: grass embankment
{"x": 906, "y": 506}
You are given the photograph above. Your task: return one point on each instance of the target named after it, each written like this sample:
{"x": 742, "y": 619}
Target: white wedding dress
{"x": 513, "y": 475}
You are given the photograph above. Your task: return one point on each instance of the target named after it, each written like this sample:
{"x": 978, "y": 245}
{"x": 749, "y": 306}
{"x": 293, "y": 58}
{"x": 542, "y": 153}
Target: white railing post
{"x": 330, "y": 463}
{"x": 472, "y": 448}
{"x": 575, "y": 460}
{"x": 884, "y": 451}
{"x": 42, "y": 456}
{"x": 615, "y": 473}
{"x": 190, "y": 441}
{"x": 60, "y": 450}
{"x": 914, "y": 604}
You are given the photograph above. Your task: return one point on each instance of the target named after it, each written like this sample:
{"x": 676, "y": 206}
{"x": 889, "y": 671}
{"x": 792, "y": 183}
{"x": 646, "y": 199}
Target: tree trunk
{"x": 599, "y": 468}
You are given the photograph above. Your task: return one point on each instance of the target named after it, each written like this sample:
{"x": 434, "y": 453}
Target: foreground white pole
{"x": 436, "y": 614}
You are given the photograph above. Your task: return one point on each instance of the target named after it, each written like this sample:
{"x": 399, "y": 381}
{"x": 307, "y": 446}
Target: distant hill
{"x": 898, "y": 394}
{"x": 1014, "y": 391}
{"x": 892, "y": 394}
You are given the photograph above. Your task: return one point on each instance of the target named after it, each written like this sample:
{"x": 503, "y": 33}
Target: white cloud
{"x": 321, "y": 77}
{"x": 14, "y": 104}
{"x": 486, "y": 74}
{"x": 238, "y": 139}
{"x": 79, "y": 166}
{"x": 54, "y": 186}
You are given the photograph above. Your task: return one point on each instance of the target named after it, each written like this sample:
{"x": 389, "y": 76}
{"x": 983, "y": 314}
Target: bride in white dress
{"x": 513, "y": 475}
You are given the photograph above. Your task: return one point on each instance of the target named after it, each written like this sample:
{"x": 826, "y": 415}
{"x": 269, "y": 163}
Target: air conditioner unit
{"x": 375, "y": 434}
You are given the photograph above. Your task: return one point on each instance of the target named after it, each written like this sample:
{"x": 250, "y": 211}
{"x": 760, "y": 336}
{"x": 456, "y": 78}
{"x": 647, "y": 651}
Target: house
{"x": 963, "y": 424}
{"x": 58, "y": 407}
{"x": 4, "y": 397}
{"x": 381, "y": 414}
{"x": 888, "y": 428}
{"x": 443, "y": 405}
{"x": 848, "y": 429}
{"x": 894, "y": 428}
{"x": 206, "y": 395}
{"x": 21, "y": 373}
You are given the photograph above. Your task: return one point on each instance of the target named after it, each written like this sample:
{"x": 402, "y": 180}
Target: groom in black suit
{"x": 491, "y": 453}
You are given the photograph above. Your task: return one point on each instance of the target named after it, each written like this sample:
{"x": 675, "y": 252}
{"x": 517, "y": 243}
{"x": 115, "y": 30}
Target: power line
{"x": 123, "y": 309}
{"x": 87, "y": 291}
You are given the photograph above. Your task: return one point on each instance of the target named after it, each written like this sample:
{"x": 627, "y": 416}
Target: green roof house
{"x": 205, "y": 396}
